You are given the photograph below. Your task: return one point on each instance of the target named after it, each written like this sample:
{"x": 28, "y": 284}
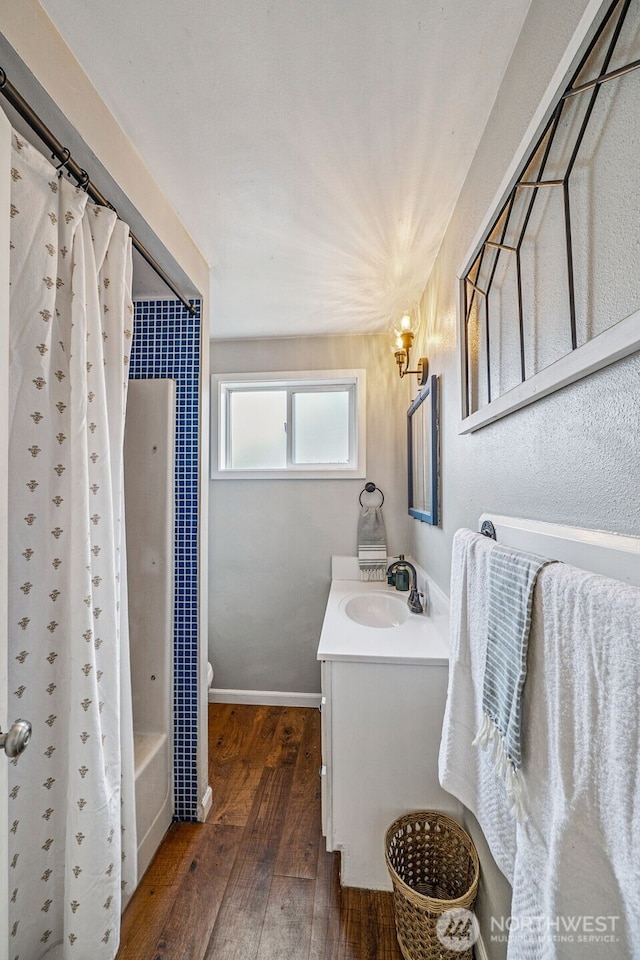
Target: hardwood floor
{"x": 254, "y": 882}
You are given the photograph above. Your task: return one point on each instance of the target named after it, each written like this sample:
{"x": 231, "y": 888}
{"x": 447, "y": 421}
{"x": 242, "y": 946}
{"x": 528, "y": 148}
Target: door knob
{"x": 15, "y": 741}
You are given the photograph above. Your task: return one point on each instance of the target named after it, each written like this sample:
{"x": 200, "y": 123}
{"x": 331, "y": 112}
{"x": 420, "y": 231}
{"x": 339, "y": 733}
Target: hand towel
{"x": 512, "y": 579}
{"x": 372, "y": 546}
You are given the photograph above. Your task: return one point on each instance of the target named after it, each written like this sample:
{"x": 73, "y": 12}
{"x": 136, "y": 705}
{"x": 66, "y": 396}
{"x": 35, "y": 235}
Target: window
{"x": 300, "y": 425}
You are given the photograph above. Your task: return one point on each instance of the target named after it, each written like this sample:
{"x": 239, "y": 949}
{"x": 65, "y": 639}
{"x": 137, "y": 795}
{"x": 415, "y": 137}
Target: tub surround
{"x": 149, "y": 454}
{"x": 383, "y": 698}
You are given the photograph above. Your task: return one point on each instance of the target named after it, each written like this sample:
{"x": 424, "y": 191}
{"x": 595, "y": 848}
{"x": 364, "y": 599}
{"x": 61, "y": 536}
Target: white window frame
{"x": 224, "y": 383}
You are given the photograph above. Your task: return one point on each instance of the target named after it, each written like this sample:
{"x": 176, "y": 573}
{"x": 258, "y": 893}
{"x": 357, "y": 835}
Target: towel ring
{"x": 371, "y": 488}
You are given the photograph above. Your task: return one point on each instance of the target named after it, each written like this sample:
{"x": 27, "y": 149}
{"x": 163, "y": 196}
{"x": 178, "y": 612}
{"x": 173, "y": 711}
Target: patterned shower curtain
{"x": 72, "y": 845}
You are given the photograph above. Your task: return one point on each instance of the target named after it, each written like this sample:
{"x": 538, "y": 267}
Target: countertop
{"x": 422, "y": 639}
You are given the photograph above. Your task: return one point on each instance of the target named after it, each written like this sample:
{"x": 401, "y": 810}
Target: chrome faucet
{"x": 413, "y": 601}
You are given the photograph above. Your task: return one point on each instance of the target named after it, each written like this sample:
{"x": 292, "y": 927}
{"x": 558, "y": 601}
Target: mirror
{"x": 422, "y": 453}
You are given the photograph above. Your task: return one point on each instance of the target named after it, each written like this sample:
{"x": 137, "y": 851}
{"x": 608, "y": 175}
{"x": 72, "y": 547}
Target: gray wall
{"x": 271, "y": 541}
{"x": 570, "y": 458}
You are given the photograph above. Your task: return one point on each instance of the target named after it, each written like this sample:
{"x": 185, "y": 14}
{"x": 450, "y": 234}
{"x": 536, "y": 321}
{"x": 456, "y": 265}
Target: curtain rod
{"x": 81, "y": 176}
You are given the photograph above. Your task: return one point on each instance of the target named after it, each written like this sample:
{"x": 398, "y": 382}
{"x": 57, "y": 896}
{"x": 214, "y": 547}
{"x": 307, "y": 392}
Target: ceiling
{"x": 314, "y": 149}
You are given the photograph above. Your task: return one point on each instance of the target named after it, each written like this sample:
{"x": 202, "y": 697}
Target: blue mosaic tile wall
{"x": 166, "y": 343}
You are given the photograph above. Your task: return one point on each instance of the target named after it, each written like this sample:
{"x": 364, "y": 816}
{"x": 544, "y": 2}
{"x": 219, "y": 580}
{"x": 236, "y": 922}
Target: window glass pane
{"x": 257, "y": 429}
{"x": 321, "y": 427}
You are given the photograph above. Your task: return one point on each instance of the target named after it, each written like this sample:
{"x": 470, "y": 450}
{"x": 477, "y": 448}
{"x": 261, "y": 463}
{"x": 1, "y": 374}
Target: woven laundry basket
{"x": 434, "y": 869}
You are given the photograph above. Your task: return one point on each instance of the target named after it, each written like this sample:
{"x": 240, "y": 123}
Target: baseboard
{"x": 270, "y": 698}
{"x": 205, "y": 805}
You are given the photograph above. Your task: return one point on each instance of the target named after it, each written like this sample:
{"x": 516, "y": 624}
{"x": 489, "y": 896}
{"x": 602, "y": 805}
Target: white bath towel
{"x": 574, "y": 863}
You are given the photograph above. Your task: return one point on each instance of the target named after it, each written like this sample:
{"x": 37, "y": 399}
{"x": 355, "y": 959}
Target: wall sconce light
{"x": 404, "y": 326}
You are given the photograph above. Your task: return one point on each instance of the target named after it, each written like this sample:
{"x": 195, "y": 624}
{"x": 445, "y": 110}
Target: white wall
{"x": 572, "y": 457}
{"x": 271, "y": 541}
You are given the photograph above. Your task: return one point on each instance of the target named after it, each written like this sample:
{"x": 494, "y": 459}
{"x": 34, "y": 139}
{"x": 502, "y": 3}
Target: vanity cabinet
{"x": 383, "y": 699}
{"x": 381, "y": 726}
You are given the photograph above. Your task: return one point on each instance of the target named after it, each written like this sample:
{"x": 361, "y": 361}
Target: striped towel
{"x": 372, "y": 545}
{"x": 512, "y": 579}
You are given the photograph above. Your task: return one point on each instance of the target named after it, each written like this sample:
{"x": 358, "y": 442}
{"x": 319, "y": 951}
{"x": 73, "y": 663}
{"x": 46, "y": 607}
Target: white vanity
{"x": 383, "y": 696}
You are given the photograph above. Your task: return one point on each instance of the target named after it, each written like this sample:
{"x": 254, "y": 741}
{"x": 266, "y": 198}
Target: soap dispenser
{"x": 402, "y": 574}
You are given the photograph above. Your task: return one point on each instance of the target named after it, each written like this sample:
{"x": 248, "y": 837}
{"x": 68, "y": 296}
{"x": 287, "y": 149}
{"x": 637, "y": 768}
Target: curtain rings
{"x": 83, "y": 180}
{"x": 66, "y": 156}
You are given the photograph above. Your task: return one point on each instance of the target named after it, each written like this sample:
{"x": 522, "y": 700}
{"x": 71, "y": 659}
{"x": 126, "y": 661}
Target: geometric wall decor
{"x": 556, "y": 272}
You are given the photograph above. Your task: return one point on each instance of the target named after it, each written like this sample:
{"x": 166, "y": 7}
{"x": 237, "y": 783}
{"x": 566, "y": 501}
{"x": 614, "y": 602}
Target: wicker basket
{"x": 434, "y": 868}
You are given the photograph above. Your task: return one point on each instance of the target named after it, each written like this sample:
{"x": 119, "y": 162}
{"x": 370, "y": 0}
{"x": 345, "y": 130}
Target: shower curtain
{"x": 72, "y": 845}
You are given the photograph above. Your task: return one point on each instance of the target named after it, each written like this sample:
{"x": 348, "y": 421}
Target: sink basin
{"x": 376, "y": 610}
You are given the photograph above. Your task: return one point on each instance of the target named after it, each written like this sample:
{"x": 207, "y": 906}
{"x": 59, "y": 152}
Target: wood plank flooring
{"x": 255, "y": 881}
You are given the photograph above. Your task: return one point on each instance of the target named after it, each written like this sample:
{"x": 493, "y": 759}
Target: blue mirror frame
{"x": 423, "y": 454}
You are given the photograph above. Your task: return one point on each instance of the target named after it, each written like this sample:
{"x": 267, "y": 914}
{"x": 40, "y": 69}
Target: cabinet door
{"x": 386, "y": 723}
{"x": 326, "y": 768}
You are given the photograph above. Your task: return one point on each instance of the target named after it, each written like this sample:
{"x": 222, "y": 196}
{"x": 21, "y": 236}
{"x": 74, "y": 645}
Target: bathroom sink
{"x": 376, "y": 609}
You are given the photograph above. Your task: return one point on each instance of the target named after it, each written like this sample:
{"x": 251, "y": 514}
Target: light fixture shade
{"x": 405, "y": 319}
{"x": 403, "y": 325}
